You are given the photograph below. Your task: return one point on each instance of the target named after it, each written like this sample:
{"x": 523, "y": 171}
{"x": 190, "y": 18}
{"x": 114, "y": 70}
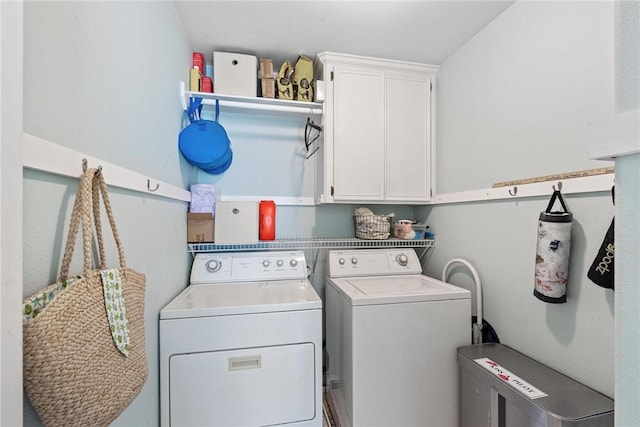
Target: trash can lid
{"x": 518, "y": 376}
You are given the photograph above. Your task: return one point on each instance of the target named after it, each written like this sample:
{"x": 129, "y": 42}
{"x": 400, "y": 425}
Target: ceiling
{"x": 425, "y": 31}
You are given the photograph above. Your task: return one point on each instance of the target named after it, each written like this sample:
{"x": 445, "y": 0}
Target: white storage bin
{"x": 236, "y": 223}
{"x": 235, "y": 74}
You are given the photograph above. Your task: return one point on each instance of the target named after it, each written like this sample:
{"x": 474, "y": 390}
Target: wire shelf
{"x": 312, "y": 243}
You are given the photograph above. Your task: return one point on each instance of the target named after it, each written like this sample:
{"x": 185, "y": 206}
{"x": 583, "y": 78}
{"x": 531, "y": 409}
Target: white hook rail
{"x": 586, "y": 184}
{"x": 43, "y": 155}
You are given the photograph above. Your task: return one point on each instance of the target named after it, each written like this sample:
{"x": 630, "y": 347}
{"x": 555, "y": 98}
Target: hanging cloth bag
{"x": 602, "y": 269}
{"x": 552, "y": 252}
{"x": 204, "y": 143}
{"x": 84, "y": 357}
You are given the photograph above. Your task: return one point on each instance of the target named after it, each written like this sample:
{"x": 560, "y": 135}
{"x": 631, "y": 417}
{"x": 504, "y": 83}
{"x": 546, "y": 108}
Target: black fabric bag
{"x": 601, "y": 271}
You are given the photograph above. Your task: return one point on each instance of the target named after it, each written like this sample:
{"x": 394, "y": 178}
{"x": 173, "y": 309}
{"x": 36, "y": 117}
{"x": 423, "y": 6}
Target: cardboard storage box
{"x": 235, "y": 74}
{"x": 268, "y": 87}
{"x": 200, "y": 227}
{"x": 266, "y": 69}
{"x": 236, "y": 223}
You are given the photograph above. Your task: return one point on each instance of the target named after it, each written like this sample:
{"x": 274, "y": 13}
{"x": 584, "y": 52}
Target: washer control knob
{"x": 402, "y": 259}
{"x": 293, "y": 262}
{"x": 280, "y": 263}
{"x": 266, "y": 263}
{"x": 354, "y": 260}
{"x": 213, "y": 265}
{"x": 341, "y": 261}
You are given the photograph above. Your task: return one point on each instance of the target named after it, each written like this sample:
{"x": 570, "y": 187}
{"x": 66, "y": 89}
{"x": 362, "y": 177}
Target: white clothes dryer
{"x": 392, "y": 336}
{"x": 242, "y": 345}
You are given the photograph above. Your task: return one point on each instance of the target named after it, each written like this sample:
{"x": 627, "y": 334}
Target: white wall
{"x": 627, "y": 221}
{"x": 102, "y": 78}
{"x": 10, "y": 213}
{"x": 515, "y": 102}
{"x": 627, "y": 292}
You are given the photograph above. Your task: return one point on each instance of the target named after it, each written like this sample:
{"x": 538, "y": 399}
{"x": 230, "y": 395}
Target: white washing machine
{"x": 242, "y": 345}
{"x": 392, "y": 336}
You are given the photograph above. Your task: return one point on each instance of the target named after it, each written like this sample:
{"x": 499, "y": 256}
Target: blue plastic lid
{"x": 220, "y": 169}
{"x": 205, "y": 143}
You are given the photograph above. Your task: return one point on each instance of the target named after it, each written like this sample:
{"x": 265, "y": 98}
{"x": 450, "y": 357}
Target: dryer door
{"x": 259, "y": 386}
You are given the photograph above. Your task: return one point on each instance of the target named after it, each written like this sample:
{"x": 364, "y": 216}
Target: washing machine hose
{"x": 476, "y": 331}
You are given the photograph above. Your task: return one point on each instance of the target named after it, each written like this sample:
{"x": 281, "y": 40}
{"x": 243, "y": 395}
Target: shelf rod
{"x": 43, "y": 155}
{"x": 240, "y": 103}
{"x": 235, "y": 105}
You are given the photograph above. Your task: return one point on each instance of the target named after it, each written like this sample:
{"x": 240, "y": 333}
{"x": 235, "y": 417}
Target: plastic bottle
{"x": 267, "y": 225}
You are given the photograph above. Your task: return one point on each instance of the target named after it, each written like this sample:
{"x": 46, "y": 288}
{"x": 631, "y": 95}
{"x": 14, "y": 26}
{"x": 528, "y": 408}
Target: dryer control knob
{"x": 213, "y": 265}
{"x": 279, "y": 263}
{"x": 402, "y": 259}
{"x": 266, "y": 263}
{"x": 341, "y": 261}
{"x": 354, "y": 260}
{"x": 293, "y": 262}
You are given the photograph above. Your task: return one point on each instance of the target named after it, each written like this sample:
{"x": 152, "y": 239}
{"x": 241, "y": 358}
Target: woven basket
{"x": 74, "y": 374}
{"x": 372, "y": 227}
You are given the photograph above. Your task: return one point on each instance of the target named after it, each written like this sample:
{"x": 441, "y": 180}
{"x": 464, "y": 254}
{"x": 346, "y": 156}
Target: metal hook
{"x": 149, "y": 186}
{"x": 515, "y": 190}
{"x": 559, "y": 186}
{"x": 84, "y": 166}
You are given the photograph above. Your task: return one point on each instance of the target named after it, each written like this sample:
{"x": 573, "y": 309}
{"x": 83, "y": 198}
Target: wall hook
{"x": 149, "y": 186}
{"x": 515, "y": 190}
{"x": 559, "y": 186}
{"x": 84, "y": 166}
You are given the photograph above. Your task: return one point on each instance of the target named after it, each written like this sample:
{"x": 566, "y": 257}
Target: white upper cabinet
{"x": 377, "y": 130}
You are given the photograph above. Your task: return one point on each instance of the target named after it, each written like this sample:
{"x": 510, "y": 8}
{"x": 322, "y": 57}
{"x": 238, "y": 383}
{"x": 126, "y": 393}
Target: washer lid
{"x": 222, "y": 299}
{"x": 396, "y": 289}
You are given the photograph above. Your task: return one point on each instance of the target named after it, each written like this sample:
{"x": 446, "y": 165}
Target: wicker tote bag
{"x": 83, "y": 336}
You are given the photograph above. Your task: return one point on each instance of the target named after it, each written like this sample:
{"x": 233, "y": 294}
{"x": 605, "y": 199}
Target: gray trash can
{"x": 500, "y": 387}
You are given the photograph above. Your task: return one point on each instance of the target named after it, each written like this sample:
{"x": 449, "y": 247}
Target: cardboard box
{"x": 236, "y": 223}
{"x": 200, "y": 227}
{"x": 235, "y": 74}
{"x": 266, "y": 69}
{"x": 268, "y": 87}
{"x": 194, "y": 80}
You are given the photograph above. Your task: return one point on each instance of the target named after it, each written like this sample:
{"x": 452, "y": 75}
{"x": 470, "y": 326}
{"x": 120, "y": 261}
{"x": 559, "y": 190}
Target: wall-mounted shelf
{"x": 312, "y": 243}
{"x": 244, "y": 104}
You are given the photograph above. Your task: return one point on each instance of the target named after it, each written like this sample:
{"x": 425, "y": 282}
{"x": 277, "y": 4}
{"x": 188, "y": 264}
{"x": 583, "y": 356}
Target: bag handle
{"x": 195, "y": 106}
{"x": 195, "y": 109}
{"x": 76, "y": 218}
{"x": 87, "y": 199}
{"x": 556, "y": 194}
{"x": 99, "y": 186}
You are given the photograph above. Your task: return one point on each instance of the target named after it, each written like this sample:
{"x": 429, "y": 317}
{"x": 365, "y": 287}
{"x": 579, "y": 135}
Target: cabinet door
{"x": 358, "y": 134}
{"x": 408, "y": 137}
